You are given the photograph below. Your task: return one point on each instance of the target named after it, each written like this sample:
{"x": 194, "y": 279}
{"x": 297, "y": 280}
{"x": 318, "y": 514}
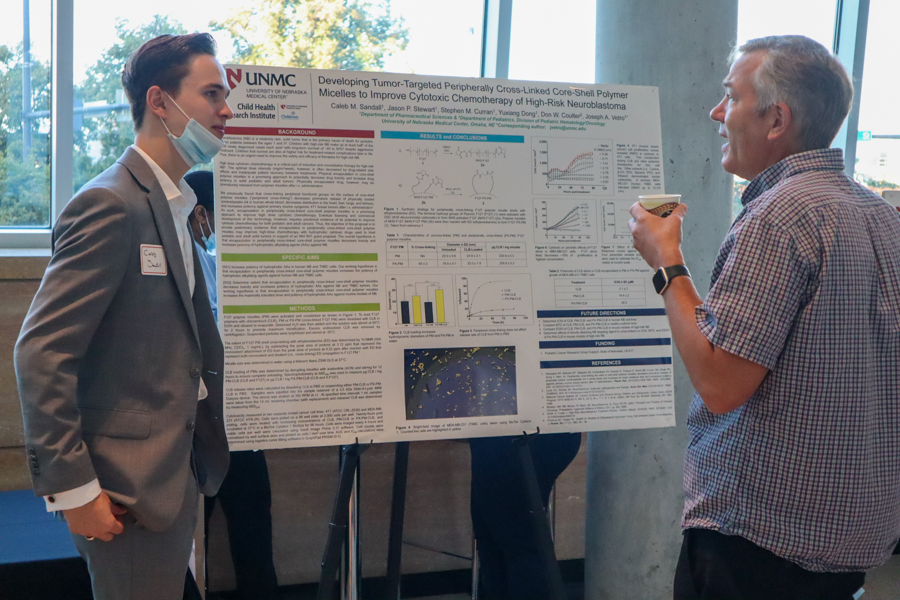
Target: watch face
{"x": 659, "y": 281}
{"x": 664, "y": 275}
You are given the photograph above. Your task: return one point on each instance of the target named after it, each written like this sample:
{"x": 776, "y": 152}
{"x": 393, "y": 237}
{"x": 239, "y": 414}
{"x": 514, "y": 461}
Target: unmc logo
{"x": 234, "y": 77}
{"x": 271, "y": 79}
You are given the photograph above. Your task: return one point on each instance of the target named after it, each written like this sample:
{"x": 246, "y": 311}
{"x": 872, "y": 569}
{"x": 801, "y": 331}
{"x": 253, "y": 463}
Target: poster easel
{"x": 343, "y": 530}
{"x": 538, "y": 514}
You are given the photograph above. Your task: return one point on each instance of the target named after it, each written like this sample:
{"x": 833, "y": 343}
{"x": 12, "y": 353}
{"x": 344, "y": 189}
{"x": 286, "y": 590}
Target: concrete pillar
{"x": 634, "y": 478}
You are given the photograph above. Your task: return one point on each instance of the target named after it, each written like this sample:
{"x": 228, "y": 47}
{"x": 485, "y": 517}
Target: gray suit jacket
{"x": 109, "y": 359}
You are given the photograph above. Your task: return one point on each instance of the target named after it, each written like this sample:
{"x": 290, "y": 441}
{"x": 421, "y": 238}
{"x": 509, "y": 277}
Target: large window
{"x": 878, "y": 145}
{"x": 553, "y": 41}
{"x": 25, "y": 115}
{"x": 444, "y": 38}
{"x": 812, "y": 18}
{"x": 401, "y": 36}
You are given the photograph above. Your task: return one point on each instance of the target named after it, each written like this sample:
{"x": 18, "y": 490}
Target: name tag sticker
{"x": 153, "y": 260}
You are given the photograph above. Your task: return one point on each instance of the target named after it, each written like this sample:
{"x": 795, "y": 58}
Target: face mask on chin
{"x": 197, "y": 144}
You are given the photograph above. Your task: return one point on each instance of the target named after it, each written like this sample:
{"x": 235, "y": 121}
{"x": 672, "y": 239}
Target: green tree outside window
{"x": 322, "y": 34}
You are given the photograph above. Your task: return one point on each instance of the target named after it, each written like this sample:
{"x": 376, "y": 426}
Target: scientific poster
{"x": 409, "y": 258}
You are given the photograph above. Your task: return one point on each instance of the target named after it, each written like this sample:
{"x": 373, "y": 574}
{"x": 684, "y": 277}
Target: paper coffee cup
{"x": 660, "y": 205}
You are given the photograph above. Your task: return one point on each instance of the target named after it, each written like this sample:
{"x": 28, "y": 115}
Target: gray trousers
{"x": 139, "y": 564}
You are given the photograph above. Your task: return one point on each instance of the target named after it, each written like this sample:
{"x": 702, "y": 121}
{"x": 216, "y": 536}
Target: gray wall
{"x": 634, "y": 477}
{"x": 634, "y": 491}
{"x": 19, "y": 280}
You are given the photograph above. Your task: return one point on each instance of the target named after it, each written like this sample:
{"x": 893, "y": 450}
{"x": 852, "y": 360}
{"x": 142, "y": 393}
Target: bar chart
{"x": 417, "y": 301}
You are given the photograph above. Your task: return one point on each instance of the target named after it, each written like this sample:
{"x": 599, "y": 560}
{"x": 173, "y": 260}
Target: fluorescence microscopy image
{"x": 446, "y": 383}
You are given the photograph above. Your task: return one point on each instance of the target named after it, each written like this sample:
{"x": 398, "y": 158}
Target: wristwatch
{"x": 665, "y": 275}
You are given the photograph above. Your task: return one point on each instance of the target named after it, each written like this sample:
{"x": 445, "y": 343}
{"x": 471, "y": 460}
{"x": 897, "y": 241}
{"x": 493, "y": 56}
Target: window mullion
{"x": 62, "y": 129}
{"x": 495, "y": 47}
{"x": 850, "y": 46}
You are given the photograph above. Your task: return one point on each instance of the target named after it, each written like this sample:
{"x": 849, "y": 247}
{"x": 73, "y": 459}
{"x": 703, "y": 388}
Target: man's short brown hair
{"x": 163, "y": 61}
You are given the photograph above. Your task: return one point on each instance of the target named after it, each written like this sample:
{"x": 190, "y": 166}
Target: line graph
{"x": 565, "y": 220}
{"x": 615, "y": 222}
{"x": 572, "y": 166}
{"x": 579, "y": 168}
{"x": 494, "y": 298}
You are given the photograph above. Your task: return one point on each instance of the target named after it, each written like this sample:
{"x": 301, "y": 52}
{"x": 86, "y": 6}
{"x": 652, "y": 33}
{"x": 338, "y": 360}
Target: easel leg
{"x": 351, "y": 567}
{"x": 398, "y": 509}
{"x": 539, "y": 518}
{"x": 340, "y": 516}
{"x": 191, "y": 590}
{"x": 475, "y": 569}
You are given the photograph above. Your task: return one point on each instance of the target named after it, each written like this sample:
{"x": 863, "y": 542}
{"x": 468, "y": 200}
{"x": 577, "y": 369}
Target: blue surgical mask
{"x": 208, "y": 241}
{"x": 197, "y": 144}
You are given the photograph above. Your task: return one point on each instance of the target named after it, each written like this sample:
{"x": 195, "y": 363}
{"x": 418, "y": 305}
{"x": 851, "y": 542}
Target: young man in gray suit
{"x": 119, "y": 362}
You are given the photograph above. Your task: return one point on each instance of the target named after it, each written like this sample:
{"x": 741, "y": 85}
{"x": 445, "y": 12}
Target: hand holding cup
{"x": 658, "y": 240}
{"x": 660, "y": 205}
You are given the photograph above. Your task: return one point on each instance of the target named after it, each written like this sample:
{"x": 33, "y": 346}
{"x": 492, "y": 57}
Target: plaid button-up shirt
{"x": 806, "y": 284}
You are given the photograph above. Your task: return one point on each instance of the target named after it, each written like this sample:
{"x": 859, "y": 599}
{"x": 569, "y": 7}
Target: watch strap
{"x": 665, "y": 275}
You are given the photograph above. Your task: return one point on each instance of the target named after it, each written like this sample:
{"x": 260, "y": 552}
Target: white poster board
{"x": 411, "y": 258}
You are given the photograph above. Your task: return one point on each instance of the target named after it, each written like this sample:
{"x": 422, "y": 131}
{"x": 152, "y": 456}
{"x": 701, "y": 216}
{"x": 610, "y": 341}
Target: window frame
{"x": 27, "y": 240}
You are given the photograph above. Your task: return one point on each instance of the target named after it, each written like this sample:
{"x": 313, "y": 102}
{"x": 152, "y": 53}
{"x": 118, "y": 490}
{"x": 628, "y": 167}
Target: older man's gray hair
{"x": 803, "y": 74}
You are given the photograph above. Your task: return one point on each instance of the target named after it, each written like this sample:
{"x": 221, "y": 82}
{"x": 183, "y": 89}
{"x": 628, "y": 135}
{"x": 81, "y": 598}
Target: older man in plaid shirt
{"x": 792, "y": 471}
